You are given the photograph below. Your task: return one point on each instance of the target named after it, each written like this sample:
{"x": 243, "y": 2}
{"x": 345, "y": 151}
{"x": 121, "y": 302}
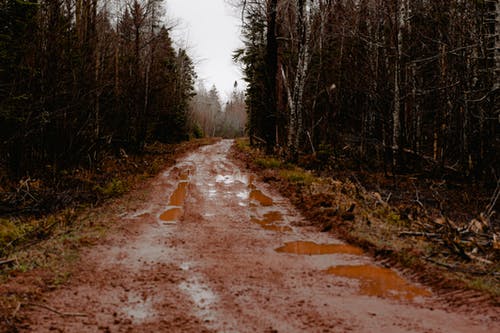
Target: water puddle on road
{"x": 378, "y": 281}
{"x": 177, "y": 198}
{"x": 311, "y": 248}
{"x": 172, "y": 214}
{"x": 277, "y": 228}
{"x": 264, "y": 200}
{"x": 174, "y": 211}
{"x": 269, "y": 222}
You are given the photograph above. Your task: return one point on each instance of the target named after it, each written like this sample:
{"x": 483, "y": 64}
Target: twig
{"x": 16, "y": 310}
{"x": 8, "y": 261}
{"x": 411, "y": 233}
{"x": 311, "y": 142}
{"x": 489, "y": 209}
{"x": 482, "y": 260}
{"x": 62, "y": 314}
{"x": 417, "y": 199}
{"x": 441, "y": 263}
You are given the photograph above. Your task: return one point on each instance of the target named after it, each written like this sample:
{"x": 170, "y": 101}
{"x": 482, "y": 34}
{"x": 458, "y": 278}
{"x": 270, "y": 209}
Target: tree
{"x": 76, "y": 84}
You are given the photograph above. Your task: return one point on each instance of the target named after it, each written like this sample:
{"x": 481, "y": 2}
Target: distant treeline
{"x": 83, "y": 77}
{"x": 400, "y": 84}
{"x": 210, "y": 118}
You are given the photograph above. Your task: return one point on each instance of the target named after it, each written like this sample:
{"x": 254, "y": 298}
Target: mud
{"x": 215, "y": 268}
{"x": 311, "y": 248}
{"x": 379, "y": 281}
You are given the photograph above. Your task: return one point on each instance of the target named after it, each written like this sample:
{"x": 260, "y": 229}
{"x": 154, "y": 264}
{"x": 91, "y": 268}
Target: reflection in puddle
{"x": 244, "y": 195}
{"x": 138, "y": 309}
{"x": 174, "y": 211}
{"x": 311, "y": 248}
{"x": 231, "y": 179}
{"x": 378, "y": 281}
{"x": 172, "y": 214}
{"x": 269, "y": 220}
{"x": 260, "y": 197}
{"x": 177, "y": 198}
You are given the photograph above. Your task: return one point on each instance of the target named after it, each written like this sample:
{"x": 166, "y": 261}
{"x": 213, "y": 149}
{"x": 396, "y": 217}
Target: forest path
{"x": 200, "y": 256}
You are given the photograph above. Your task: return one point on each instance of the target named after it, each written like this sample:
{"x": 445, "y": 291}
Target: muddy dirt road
{"x": 214, "y": 249}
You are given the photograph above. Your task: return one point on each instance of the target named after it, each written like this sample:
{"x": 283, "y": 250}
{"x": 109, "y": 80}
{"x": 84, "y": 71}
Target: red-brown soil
{"x": 216, "y": 268}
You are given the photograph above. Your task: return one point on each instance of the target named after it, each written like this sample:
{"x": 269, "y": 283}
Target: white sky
{"x": 210, "y": 30}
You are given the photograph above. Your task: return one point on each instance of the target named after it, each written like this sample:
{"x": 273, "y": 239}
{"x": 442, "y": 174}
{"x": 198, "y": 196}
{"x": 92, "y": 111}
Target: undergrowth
{"x": 368, "y": 219}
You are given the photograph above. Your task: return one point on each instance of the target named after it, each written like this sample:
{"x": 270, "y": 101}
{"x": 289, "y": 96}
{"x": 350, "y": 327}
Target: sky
{"x": 210, "y": 30}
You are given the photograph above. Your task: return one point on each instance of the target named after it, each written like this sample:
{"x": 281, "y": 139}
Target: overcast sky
{"x": 210, "y": 31}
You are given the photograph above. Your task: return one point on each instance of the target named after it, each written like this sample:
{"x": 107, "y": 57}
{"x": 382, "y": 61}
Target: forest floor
{"x": 211, "y": 245}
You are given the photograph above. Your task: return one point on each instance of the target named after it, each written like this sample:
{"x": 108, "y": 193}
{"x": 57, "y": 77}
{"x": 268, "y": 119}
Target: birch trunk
{"x": 295, "y": 96}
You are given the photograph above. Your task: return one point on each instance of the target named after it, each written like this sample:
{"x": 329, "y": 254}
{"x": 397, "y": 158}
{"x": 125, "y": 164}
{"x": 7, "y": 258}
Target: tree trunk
{"x": 271, "y": 73}
{"x": 497, "y": 45}
{"x": 396, "y": 115}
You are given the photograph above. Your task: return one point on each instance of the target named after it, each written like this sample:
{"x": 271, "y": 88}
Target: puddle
{"x": 261, "y": 198}
{"x": 243, "y": 195}
{"x": 172, "y": 214}
{"x": 378, "y": 281}
{"x": 177, "y": 198}
{"x": 278, "y": 228}
{"x": 138, "y": 309}
{"x": 268, "y": 222}
{"x": 269, "y": 218}
{"x": 311, "y": 248}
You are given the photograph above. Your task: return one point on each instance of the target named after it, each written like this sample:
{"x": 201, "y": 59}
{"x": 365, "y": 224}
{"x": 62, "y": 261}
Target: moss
{"x": 243, "y": 144}
{"x": 10, "y": 231}
{"x": 485, "y": 284}
{"x": 268, "y": 163}
{"x": 297, "y": 176}
{"x": 114, "y": 188}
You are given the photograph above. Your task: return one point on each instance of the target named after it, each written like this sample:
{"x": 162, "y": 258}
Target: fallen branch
{"x": 417, "y": 234}
{"x": 7, "y": 262}
{"x": 62, "y": 314}
{"x": 441, "y": 263}
{"x": 481, "y": 260}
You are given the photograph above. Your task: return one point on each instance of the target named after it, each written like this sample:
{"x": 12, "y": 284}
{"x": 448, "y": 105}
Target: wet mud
{"x": 379, "y": 281}
{"x": 210, "y": 248}
{"x": 311, "y": 248}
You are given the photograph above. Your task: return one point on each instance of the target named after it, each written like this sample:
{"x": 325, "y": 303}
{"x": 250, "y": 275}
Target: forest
{"x": 401, "y": 86}
{"x": 83, "y": 78}
{"x": 359, "y": 192}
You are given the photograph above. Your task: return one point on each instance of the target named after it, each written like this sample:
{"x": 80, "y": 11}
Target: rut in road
{"x": 214, "y": 249}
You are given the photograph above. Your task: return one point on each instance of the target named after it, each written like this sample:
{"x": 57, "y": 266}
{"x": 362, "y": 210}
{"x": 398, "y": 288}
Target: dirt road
{"x": 214, "y": 249}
